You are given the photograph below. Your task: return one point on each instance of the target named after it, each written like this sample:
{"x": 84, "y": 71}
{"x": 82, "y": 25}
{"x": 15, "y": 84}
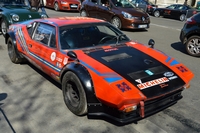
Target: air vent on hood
{"x": 143, "y": 74}
{"x": 116, "y": 57}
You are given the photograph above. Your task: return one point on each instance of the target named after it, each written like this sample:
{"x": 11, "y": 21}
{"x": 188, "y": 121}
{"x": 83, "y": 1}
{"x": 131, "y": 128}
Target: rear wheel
{"x": 193, "y": 46}
{"x": 156, "y": 14}
{"x": 56, "y": 7}
{"x": 182, "y": 17}
{"x": 74, "y": 94}
{"x": 83, "y": 13}
{"x": 116, "y": 22}
{"x": 13, "y": 53}
{"x": 4, "y": 27}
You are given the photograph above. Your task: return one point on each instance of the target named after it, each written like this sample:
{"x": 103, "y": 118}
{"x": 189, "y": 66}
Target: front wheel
{"x": 182, "y": 17}
{"x": 56, "y": 7}
{"x": 116, "y": 22}
{"x": 74, "y": 94}
{"x": 193, "y": 46}
{"x": 156, "y": 14}
{"x": 4, "y": 27}
{"x": 13, "y": 52}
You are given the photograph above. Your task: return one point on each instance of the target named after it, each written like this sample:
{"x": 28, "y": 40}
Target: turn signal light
{"x": 130, "y": 108}
{"x": 186, "y": 86}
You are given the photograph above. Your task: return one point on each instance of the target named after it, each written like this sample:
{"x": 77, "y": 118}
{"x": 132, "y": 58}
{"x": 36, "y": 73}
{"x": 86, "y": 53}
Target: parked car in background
{"x": 176, "y": 11}
{"x": 121, "y": 13}
{"x": 102, "y": 72}
{"x": 16, "y": 11}
{"x": 67, "y": 5}
{"x": 145, "y": 5}
{"x": 190, "y": 35}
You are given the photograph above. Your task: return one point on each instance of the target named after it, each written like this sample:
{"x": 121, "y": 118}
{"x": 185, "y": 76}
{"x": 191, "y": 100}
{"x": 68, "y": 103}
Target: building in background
{"x": 164, "y": 3}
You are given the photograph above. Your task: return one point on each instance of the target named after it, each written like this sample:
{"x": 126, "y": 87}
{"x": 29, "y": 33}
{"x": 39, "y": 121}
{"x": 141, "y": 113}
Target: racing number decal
{"x": 182, "y": 69}
{"x": 123, "y": 87}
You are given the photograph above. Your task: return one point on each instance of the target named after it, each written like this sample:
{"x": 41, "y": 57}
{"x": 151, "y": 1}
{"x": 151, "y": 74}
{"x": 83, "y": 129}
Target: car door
{"x": 105, "y": 10}
{"x": 169, "y": 10}
{"x": 92, "y": 7}
{"x": 47, "y": 48}
{"x": 177, "y": 11}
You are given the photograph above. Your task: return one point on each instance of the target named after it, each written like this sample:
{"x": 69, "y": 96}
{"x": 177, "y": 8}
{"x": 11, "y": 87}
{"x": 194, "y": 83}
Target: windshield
{"x": 81, "y": 36}
{"x": 123, "y": 3}
{"x": 14, "y": 2}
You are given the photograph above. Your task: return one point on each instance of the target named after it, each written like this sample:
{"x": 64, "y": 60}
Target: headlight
{"x": 63, "y": 2}
{"x": 15, "y": 17}
{"x": 43, "y": 16}
{"x": 127, "y": 15}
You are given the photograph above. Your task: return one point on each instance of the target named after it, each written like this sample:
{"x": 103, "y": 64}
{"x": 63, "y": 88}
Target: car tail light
{"x": 191, "y": 21}
{"x": 194, "y": 12}
{"x": 149, "y": 6}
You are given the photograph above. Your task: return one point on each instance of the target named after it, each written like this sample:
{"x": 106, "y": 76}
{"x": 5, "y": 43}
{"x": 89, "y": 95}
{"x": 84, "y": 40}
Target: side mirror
{"x": 151, "y": 43}
{"x": 73, "y": 56}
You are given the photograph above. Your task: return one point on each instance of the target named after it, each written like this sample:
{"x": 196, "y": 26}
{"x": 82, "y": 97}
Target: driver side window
{"x": 45, "y": 34}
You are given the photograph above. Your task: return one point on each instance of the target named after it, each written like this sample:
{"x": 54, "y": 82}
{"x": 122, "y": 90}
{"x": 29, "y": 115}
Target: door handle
{"x": 30, "y": 45}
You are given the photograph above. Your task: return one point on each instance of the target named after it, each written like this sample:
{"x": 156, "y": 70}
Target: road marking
{"x": 165, "y": 27}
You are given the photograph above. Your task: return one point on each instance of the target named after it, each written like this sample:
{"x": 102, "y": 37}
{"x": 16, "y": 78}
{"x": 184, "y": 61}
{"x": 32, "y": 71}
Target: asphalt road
{"x": 30, "y": 102}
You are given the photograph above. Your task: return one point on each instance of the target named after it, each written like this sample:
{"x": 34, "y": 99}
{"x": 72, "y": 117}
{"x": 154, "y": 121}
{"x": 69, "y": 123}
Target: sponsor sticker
{"x": 152, "y": 83}
{"x": 174, "y": 77}
{"x": 65, "y": 61}
{"x": 138, "y": 80}
{"x": 53, "y": 56}
{"x": 148, "y": 72}
{"x": 168, "y": 74}
{"x": 111, "y": 49}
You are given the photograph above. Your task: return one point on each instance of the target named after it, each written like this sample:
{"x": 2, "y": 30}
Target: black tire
{"x": 83, "y": 13}
{"x": 193, "y": 46}
{"x": 116, "y": 22}
{"x": 74, "y": 94}
{"x": 13, "y": 52}
{"x": 4, "y": 27}
{"x": 56, "y": 7}
{"x": 182, "y": 17}
{"x": 156, "y": 13}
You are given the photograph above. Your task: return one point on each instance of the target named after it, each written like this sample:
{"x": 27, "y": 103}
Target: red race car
{"x": 102, "y": 72}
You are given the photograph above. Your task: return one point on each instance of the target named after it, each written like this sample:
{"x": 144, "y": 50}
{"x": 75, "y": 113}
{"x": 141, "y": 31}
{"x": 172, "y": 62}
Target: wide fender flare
{"x": 12, "y": 36}
{"x": 85, "y": 78}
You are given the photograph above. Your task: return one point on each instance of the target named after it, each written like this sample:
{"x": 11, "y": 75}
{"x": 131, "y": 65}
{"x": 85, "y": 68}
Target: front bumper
{"x": 150, "y": 107}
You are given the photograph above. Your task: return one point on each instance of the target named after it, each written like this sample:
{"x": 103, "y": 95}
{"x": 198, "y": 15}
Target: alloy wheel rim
{"x": 3, "y": 27}
{"x": 56, "y": 7}
{"x": 116, "y": 22}
{"x": 194, "y": 46}
{"x": 156, "y": 14}
{"x": 72, "y": 95}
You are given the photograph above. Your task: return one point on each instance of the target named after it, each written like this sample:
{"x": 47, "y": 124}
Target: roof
{"x": 61, "y": 21}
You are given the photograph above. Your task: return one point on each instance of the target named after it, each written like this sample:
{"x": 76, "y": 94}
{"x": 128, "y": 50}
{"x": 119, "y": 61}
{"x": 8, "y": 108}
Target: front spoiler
{"x": 100, "y": 111}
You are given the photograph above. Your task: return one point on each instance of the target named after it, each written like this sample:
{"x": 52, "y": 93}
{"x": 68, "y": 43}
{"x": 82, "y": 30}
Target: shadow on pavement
{"x": 2, "y": 97}
{"x": 179, "y": 47}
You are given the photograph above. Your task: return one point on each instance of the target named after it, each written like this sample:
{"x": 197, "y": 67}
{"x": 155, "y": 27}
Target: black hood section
{"x": 138, "y": 68}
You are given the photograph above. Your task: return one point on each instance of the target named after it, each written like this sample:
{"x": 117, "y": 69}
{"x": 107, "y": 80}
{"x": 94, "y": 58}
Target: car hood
{"x": 134, "y": 11}
{"x": 134, "y": 67}
{"x": 23, "y": 12}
